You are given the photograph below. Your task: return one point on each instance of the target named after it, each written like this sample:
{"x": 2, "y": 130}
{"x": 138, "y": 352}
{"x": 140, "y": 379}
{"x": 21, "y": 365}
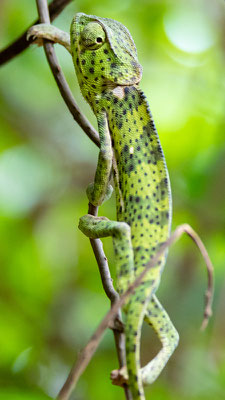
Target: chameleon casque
{"x": 108, "y": 71}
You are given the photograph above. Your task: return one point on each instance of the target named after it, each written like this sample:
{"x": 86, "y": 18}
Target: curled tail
{"x": 136, "y": 310}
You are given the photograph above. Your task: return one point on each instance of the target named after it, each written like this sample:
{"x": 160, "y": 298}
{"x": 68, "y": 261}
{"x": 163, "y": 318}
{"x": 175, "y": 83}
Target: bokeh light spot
{"x": 189, "y": 30}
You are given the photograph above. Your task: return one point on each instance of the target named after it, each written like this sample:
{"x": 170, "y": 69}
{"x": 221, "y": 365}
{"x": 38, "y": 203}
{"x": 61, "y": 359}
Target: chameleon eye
{"x": 93, "y": 36}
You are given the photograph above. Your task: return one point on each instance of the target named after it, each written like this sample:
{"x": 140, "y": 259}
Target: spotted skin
{"x": 108, "y": 71}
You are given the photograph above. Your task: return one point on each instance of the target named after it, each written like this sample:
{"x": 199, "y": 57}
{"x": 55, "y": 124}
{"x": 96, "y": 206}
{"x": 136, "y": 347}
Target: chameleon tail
{"x": 136, "y": 309}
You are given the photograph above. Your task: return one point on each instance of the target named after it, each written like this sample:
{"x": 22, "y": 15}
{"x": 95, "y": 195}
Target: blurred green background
{"x": 51, "y": 298}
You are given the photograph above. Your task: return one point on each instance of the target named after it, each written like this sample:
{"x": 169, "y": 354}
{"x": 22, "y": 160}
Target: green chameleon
{"x": 108, "y": 71}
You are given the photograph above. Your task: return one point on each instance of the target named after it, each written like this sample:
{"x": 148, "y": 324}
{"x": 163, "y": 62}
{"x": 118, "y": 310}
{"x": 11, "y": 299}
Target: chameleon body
{"x": 108, "y": 71}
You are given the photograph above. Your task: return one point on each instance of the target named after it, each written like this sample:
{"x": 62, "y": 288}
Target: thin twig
{"x": 113, "y": 296}
{"x": 21, "y": 43}
{"x": 87, "y": 353}
{"x": 93, "y": 135}
{"x": 61, "y": 80}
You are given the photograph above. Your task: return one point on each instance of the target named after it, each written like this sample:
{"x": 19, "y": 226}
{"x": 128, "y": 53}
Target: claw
{"x": 32, "y": 33}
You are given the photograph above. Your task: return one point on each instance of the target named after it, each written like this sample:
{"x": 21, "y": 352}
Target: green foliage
{"x": 51, "y": 298}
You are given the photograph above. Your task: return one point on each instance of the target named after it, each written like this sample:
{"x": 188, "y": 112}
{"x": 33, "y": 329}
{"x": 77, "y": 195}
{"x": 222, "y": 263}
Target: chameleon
{"x": 109, "y": 73}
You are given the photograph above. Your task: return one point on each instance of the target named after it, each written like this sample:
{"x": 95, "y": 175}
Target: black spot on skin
{"x": 106, "y": 51}
{"x": 91, "y": 70}
{"x": 83, "y": 62}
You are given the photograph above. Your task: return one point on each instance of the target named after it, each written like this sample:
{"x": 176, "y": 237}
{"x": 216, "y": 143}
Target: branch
{"x": 87, "y": 353}
{"x": 116, "y": 325}
{"x": 95, "y": 243}
{"x": 21, "y": 43}
{"x": 61, "y": 80}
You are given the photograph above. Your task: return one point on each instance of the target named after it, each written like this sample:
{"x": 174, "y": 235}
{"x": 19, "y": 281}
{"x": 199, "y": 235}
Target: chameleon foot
{"x": 119, "y": 377}
{"x": 50, "y": 32}
{"x": 94, "y": 199}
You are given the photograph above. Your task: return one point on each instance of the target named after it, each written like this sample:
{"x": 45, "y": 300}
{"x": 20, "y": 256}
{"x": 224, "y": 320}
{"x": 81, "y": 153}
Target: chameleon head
{"x": 104, "y": 53}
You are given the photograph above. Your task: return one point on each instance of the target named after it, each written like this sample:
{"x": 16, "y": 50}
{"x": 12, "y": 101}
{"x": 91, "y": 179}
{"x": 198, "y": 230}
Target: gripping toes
{"x": 93, "y": 227}
{"x": 50, "y": 32}
{"x": 93, "y": 195}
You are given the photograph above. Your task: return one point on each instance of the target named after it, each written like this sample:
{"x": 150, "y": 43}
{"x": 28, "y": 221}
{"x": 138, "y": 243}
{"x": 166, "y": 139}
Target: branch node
{"x": 119, "y": 377}
{"x": 116, "y": 325}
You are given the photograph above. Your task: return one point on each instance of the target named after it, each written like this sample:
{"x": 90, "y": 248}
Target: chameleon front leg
{"x": 50, "y": 32}
{"x": 158, "y": 318}
{"x": 100, "y": 190}
{"x": 98, "y": 227}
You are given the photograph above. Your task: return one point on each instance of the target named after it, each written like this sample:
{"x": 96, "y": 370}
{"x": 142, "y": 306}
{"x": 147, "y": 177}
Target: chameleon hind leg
{"x": 98, "y": 227}
{"x": 158, "y": 318}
